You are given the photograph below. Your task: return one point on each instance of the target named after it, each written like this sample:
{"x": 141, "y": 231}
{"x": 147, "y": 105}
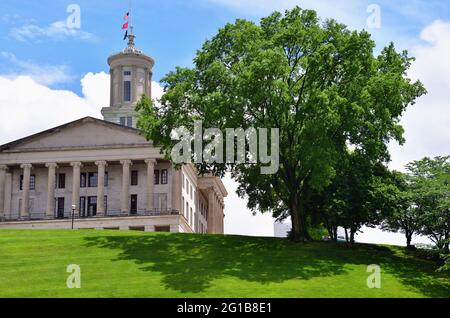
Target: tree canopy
{"x": 320, "y": 83}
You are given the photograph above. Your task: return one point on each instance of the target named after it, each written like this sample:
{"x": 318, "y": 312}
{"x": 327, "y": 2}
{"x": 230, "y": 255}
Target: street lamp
{"x": 73, "y": 213}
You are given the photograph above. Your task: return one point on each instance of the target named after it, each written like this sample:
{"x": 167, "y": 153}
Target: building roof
{"x": 54, "y": 130}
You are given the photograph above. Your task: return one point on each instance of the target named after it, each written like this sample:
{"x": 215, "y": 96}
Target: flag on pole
{"x": 125, "y": 26}
{"x": 127, "y": 15}
{"x": 126, "y": 35}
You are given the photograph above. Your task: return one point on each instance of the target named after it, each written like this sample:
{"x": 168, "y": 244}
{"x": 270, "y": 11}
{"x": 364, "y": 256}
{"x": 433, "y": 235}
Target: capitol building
{"x": 104, "y": 172}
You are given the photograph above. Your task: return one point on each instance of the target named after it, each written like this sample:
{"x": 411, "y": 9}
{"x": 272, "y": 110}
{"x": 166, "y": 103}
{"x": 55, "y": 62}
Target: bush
{"x": 446, "y": 266}
{"x": 428, "y": 254}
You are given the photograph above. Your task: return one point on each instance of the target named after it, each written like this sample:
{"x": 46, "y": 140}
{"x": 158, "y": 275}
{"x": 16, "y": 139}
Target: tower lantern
{"x": 131, "y": 77}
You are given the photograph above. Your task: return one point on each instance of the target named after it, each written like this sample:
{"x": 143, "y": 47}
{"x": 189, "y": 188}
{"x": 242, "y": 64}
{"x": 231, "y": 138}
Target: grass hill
{"x": 137, "y": 264}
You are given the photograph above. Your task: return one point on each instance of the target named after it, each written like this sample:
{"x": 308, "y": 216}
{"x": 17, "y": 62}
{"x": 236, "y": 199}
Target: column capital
{"x": 51, "y": 165}
{"x": 26, "y": 166}
{"x": 76, "y": 164}
{"x": 101, "y": 163}
{"x": 150, "y": 162}
{"x": 126, "y": 162}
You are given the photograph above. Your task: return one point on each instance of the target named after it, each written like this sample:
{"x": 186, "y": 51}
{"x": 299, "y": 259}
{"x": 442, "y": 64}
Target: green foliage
{"x": 319, "y": 83}
{"x": 429, "y": 182}
{"x": 358, "y": 195}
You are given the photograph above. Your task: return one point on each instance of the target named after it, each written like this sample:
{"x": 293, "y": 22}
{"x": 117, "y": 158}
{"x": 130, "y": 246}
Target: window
{"x": 127, "y": 73}
{"x": 127, "y": 91}
{"x": 191, "y": 192}
{"x": 61, "y": 181}
{"x": 83, "y": 206}
{"x": 134, "y": 178}
{"x": 133, "y": 205}
{"x": 129, "y": 121}
{"x": 106, "y": 204}
{"x": 106, "y": 180}
{"x": 156, "y": 176}
{"x": 32, "y": 182}
{"x": 122, "y": 121}
{"x": 186, "y": 214}
{"x": 162, "y": 228}
{"x": 92, "y": 180}
{"x": 183, "y": 180}
{"x": 192, "y": 218}
{"x": 164, "y": 176}
{"x": 182, "y": 204}
{"x": 92, "y": 206}
{"x": 83, "y": 178}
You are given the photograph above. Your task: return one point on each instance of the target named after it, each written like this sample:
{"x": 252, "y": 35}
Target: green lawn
{"x": 137, "y": 264}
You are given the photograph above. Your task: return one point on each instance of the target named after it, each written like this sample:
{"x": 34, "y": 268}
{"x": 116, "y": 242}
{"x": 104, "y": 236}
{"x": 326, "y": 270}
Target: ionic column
{"x": 150, "y": 183}
{"x": 111, "y": 87}
{"x": 121, "y": 97}
{"x": 3, "y": 170}
{"x": 50, "y": 212}
{"x": 134, "y": 96}
{"x": 101, "y": 187}
{"x": 76, "y": 185}
{"x": 25, "y": 210}
{"x": 211, "y": 210}
{"x": 146, "y": 76}
{"x": 125, "y": 198}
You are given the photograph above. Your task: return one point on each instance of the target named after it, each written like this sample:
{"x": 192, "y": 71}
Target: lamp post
{"x": 73, "y": 213}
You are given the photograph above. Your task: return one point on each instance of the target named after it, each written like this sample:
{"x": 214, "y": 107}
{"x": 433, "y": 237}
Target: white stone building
{"x": 107, "y": 170}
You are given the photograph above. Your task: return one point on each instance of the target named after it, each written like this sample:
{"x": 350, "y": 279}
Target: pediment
{"x": 84, "y": 133}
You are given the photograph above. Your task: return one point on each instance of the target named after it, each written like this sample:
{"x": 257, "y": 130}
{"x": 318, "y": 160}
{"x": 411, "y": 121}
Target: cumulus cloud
{"x": 427, "y": 124}
{"x": 43, "y": 74}
{"x": 56, "y": 31}
{"x": 28, "y": 107}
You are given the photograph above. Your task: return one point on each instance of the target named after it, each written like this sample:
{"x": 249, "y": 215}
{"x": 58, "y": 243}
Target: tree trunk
{"x": 408, "y": 239}
{"x": 346, "y": 235}
{"x": 299, "y": 226}
{"x": 335, "y": 229}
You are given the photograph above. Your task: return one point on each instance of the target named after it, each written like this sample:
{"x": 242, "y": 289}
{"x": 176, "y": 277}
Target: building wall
{"x": 38, "y": 197}
{"x": 189, "y": 195}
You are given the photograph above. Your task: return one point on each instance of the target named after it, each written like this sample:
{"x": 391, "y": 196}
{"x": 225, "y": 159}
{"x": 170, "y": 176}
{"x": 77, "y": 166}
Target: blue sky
{"x": 172, "y": 30}
{"x": 50, "y": 75}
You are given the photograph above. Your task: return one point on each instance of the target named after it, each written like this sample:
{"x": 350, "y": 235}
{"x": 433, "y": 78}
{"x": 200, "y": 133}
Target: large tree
{"x": 318, "y": 82}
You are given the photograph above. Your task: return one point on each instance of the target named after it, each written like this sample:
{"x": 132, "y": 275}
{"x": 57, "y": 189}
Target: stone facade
{"x": 104, "y": 173}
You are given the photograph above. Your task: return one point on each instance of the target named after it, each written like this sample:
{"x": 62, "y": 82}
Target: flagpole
{"x": 131, "y": 17}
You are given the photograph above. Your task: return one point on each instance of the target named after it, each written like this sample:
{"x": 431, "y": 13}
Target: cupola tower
{"x": 131, "y": 76}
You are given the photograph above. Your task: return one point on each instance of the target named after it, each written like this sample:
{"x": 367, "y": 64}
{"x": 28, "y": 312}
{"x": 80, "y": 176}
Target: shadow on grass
{"x": 190, "y": 263}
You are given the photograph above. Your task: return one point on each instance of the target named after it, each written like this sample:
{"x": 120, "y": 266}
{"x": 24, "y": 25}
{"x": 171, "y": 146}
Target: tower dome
{"x": 131, "y": 76}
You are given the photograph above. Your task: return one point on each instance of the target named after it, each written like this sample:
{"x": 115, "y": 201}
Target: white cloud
{"x": 427, "y": 124}
{"x": 95, "y": 88}
{"x": 43, "y": 74}
{"x": 56, "y": 31}
{"x": 27, "y": 107}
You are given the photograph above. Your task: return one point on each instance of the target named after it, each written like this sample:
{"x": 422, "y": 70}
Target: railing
{"x": 111, "y": 214}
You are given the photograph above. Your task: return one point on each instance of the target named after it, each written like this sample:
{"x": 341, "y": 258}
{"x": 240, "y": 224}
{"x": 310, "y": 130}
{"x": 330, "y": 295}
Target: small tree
{"x": 401, "y": 213}
{"x": 430, "y": 194}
